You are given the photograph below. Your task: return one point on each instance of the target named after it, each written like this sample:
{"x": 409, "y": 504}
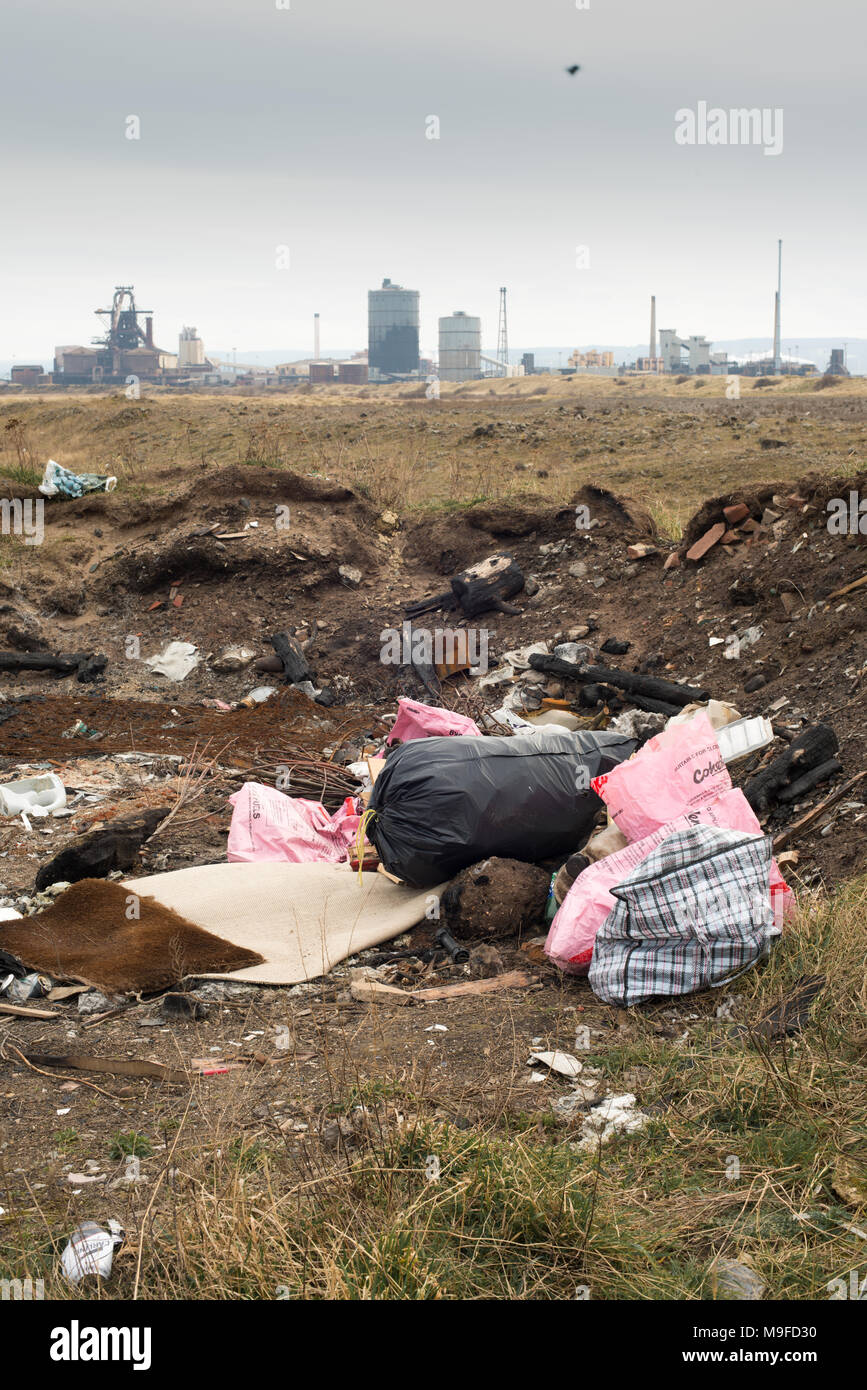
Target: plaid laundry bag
{"x": 695, "y": 913}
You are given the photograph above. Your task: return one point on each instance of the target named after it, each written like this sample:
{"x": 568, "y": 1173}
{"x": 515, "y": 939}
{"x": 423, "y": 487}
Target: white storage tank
{"x": 191, "y": 349}
{"x": 460, "y": 347}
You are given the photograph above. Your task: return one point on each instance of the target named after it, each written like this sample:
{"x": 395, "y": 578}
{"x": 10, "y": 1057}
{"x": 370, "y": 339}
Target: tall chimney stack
{"x": 653, "y": 325}
{"x": 149, "y": 332}
{"x": 315, "y": 337}
{"x": 778, "y": 361}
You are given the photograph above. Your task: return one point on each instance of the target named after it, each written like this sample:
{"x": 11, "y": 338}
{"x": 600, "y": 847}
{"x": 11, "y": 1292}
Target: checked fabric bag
{"x": 695, "y": 913}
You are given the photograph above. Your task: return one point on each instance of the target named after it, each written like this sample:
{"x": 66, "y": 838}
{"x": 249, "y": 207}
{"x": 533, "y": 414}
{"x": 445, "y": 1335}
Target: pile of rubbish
{"x": 631, "y": 843}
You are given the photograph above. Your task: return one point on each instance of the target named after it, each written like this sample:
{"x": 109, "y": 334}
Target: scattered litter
{"x": 561, "y": 1062}
{"x": 175, "y": 661}
{"x": 259, "y": 696}
{"x": 269, "y": 825}
{"x": 616, "y": 1115}
{"x": 415, "y": 720}
{"x": 38, "y": 795}
{"x": 91, "y": 1250}
{"x": 60, "y": 482}
{"x": 233, "y": 659}
{"x": 80, "y": 730}
{"x": 31, "y": 986}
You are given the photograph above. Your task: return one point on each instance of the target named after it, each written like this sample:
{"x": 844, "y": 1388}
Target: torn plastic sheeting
{"x": 60, "y": 482}
{"x": 175, "y": 661}
{"x": 447, "y": 803}
{"x": 616, "y": 1115}
{"x": 676, "y": 771}
{"x": 416, "y": 720}
{"x": 591, "y": 899}
{"x": 268, "y": 825}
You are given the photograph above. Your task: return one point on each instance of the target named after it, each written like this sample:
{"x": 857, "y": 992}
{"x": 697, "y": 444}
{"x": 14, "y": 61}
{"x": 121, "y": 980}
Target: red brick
{"x": 707, "y": 541}
{"x": 738, "y": 511}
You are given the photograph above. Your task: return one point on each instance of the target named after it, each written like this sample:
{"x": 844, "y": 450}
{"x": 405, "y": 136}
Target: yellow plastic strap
{"x": 360, "y": 835}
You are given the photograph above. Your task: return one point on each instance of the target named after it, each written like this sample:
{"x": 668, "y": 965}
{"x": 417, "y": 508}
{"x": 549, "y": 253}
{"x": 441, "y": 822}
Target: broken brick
{"x": 738, "y": 511}
{"x": 706, "y": 542}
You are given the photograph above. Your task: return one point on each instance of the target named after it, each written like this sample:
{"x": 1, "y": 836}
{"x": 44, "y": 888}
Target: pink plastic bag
{"x": 268, "y": 825}
{"x": 415, "y": 720}
{"x": 675, "y": 772}
{"x": 589, "y": 900}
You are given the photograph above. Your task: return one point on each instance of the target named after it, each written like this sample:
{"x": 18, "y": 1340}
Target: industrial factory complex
{"x": 125, "y": 353}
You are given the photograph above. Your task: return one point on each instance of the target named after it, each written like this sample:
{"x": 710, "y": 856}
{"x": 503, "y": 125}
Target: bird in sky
{"x": 576, "y": 67}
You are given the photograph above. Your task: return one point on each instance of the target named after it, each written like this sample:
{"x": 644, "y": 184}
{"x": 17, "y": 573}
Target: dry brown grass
{"x": 739, "y": 1159}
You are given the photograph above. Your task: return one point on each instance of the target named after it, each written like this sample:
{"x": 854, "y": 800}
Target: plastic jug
{"x": 39, "y": 795}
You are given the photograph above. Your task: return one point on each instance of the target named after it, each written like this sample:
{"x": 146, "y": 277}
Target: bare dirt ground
{"x": 407, "y": 492}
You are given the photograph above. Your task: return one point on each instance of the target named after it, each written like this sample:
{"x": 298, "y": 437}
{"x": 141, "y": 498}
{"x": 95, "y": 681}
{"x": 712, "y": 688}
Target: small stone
{"x": 349, "y": 576}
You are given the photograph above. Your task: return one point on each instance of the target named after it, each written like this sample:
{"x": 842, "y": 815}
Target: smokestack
{"x": 315, "y": 337}
{"x": 653, "y": 325}
{"x": 778, "y": 361}
{"x": 149, "y": 332}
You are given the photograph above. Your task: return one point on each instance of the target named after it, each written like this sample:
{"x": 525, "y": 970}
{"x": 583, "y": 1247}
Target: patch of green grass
{"x": 130, "y": 1142}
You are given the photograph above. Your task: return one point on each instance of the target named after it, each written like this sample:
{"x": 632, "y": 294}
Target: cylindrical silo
{"x": 392, "y": 329}
{"x": 460, "y": 347}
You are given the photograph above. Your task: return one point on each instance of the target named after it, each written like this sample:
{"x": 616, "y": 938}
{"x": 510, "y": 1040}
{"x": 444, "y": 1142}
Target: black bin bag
{"x": 444, "y": 803}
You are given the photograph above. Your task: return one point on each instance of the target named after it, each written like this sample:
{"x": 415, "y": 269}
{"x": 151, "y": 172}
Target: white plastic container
{"x": 744, "y": 736}
{"x": 38, "y": 795}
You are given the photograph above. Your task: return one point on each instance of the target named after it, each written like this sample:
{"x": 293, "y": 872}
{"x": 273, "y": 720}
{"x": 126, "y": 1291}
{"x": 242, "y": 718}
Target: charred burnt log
{"x": 295, "y": 664}
{"x": 812, "y": 748}
{"x": 479, "y": 589}
{"x": 647, "y": 688}
{"x": 488, "y": 585}
{"x": 86, "y": 664}
{"x": 823, "y": 773}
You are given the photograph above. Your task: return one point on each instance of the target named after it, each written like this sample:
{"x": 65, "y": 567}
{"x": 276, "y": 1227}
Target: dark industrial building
{"x": 127, "y": 348}
{"x": 392, "y": 330}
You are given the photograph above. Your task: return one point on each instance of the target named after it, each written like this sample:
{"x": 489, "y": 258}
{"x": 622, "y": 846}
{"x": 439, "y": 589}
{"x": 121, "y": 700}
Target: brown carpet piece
{"x": 91, "y": 933}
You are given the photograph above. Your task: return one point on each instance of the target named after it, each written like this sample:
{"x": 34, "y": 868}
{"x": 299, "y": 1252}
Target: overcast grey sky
{"x": 305, "y": 127}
